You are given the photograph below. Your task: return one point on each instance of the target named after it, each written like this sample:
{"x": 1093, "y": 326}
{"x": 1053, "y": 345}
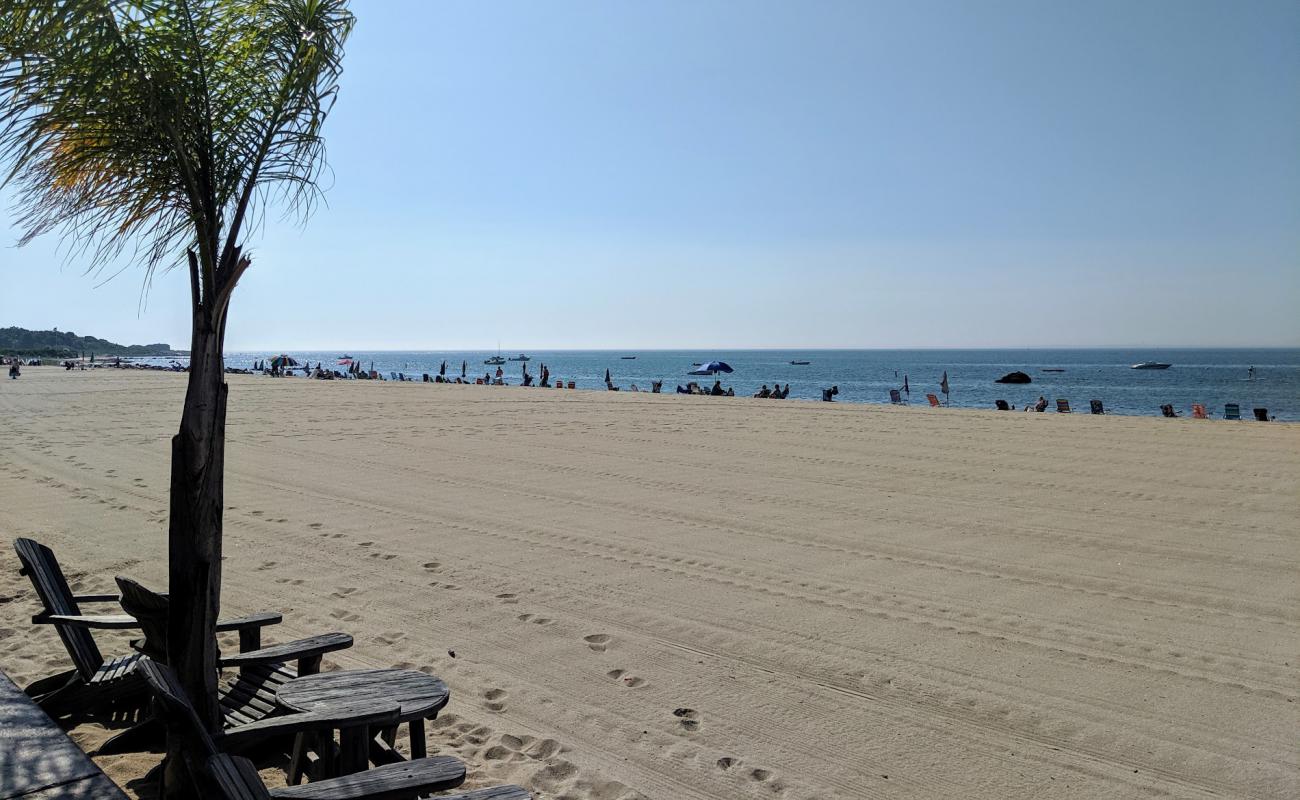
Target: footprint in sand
{"x": 496, "y": 699}
{"x": 316, "y": 525}
{"x": 727, "y": 762}
{"x": 536, "y": 620}
{"x": 344, "y": 591}
{"x": 687, "y": 718}
{"x": 384, "y": 556}
{"x": 365, "y": 544}
{"x": 622, "y": 676}
{"x": 598, "y": 641}
{"x": 266, "y": 565}
{"x": 389, "y": 637}
{"x": 430, "y": 566}
{"x": 508, "y": 598}
{"x": 345, "y": 616}
{"x": 291, "y": 581}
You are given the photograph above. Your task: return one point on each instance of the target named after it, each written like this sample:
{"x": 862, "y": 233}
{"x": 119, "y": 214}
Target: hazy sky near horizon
{"x": 769, "y": 174}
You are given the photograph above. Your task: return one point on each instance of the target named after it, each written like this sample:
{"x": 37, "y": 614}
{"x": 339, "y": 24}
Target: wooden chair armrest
{"x": 109, "y": 622}
{"x": 259, "y": 620}
{"x": 405, "y": 781}
{"x": 289, "y": 651}
{"x": 344, "y": 716}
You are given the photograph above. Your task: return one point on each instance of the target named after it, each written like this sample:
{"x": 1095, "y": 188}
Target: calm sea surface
{"x": 1212, "y": 377}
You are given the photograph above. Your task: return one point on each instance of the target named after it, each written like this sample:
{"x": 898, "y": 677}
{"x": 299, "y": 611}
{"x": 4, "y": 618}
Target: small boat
{"x": 1053, "y": 369}
{"x": 494, "y": 360}
{"x": 628, "y": 358}
{"x": 520, "y": 357}
{"x": 345, "y": 356}
{"x": 800, "y": 363}
{"x": 1151, "y": 365}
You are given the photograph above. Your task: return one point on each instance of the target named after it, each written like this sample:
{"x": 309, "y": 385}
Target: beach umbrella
{"x": 711, "y": 368}
{"x": 462, "y": 369}
{"x": 607, "y": 375}
{"x": 442, "y": 370}
{"x": 943, "y": 385}
{"x": 907, "y": 390}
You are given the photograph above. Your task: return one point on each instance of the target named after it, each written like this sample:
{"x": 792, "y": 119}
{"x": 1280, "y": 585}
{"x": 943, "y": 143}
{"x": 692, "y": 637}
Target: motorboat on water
{"x": 628, "y": 358}
{"x": 520, "y": 357}
{"x": 495, "y": 360}
{"x": 800, "y": 363}
{"x": 1151, "y": 365}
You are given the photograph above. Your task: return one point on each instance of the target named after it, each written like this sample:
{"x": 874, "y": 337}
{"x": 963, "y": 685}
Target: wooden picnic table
{"x": 419, "y": 696}
{"x": 37, "y": 759}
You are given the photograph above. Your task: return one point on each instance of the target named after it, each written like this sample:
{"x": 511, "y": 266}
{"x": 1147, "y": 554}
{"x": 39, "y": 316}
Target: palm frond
{"x": 163, "y": 125}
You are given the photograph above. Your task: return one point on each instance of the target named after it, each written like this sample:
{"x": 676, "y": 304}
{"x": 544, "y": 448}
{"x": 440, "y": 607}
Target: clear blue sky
{"x": 764, "y": 174}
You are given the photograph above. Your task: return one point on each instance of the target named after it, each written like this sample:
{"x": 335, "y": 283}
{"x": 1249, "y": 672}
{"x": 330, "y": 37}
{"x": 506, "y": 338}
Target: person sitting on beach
{"x": 828, "y": 395}
{"x": 784, "y": 393}
{"x": 655, "y": 386}
{"x": 731, "y": 391}
{"x": 528, "y": 380}
{"x": 1041, "y": 405}
{"x": 717, "y": 390}
{"x": 765, "y": 392}
{"x": 682, "y": 389}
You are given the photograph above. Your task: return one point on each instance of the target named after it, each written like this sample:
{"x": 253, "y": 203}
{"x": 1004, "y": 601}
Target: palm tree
{"x": 158, "y": 130}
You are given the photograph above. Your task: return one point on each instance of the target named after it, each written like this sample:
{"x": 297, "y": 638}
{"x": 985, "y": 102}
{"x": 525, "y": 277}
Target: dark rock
{"x": 1015, "y": 377}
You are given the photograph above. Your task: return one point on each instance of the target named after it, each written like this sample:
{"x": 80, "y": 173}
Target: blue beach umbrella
{"x": 711, "y": 368}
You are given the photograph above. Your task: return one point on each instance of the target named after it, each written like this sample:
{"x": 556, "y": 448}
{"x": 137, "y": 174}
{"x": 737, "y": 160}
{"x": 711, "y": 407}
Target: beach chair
{"x": 934, "y": 401}
{"x": 97, "y": 684}
{"x": 895, "y": 397}
{"x": 1261, "y": 415}
{"x": 1232, "y": 411}
{"x": 1096, "y": 407}
{"x": 1062, "y": 406}
{"x": 219, "y": 774}
{"x": 1002, "y": 405}
{"x": 261, "y": 671}
{"x": 573, "y": 385}
{"x": 1198, "y": 411}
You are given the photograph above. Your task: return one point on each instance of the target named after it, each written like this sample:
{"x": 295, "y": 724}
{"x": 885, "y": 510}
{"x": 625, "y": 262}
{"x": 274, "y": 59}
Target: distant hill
{"x": 64, "y": 344}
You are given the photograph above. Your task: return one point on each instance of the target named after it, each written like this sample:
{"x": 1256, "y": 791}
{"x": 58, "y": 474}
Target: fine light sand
{"x": 680, "y": 597}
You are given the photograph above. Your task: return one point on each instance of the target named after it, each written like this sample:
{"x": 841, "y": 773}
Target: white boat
{"x": 1151, "y": 365}
{"x": 494, "y": 360}
{"x": 520, "y": 357}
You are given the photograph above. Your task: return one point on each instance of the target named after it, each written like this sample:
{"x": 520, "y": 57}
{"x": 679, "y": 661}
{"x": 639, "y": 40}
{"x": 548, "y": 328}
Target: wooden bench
{"x": 37, "y": 759}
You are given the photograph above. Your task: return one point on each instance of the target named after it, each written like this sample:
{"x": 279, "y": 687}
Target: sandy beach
{"x": 680, "y": 597}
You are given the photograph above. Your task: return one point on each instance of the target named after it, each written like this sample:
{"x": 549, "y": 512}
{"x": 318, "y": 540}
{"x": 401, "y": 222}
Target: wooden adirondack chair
{"x": 94, "y": 683}
{"x": 251, "y": 696}
{"x": 221, "y": 777}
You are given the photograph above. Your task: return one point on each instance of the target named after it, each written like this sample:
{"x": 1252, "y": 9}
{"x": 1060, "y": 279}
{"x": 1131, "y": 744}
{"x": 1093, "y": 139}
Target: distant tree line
{"x": 64, "y": 344}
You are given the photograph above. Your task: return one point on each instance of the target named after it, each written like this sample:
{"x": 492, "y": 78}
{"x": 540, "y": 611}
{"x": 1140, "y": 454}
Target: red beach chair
{"x": 934, "y": 401}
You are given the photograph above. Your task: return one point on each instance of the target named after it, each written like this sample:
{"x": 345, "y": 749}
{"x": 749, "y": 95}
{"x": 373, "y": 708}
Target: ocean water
{"x": 1212, "y": 377}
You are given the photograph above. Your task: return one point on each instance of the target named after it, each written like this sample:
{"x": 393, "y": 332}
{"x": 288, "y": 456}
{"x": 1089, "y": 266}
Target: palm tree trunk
{"x": 194, "y": 535}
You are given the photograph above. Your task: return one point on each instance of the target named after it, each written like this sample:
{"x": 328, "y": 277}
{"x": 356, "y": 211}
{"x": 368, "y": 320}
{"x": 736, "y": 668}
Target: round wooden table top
{"x": 420, "y": 695}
